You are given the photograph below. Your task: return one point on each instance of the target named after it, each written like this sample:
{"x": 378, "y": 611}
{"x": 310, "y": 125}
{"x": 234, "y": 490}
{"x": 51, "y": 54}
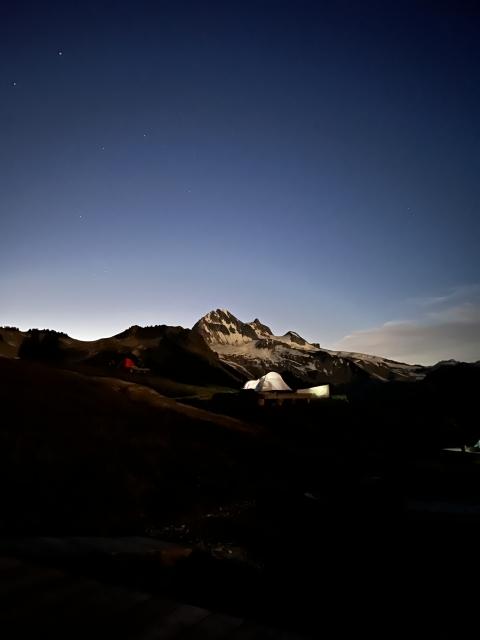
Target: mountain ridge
{"x": 219, "y": 348}
{"x": 253, "y": 348}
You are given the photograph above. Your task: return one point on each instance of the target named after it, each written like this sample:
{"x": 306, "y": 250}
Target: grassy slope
{"x": 97, "y": 455}
{"x": 165, "y": 386}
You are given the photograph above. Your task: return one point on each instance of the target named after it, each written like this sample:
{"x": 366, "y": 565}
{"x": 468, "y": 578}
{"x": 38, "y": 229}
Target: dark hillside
{"x": 81, "y": 456}
{"x": 323, "y": 495}
{"x": 170, "y": 352}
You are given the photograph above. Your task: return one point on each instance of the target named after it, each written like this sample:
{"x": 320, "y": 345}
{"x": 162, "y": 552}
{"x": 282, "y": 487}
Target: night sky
{"x": 313, "y": 164}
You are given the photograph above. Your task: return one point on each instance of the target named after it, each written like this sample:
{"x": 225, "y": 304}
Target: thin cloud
{"x": 455, "y": 294}
{"x": 466, "y": 313}
{"x": 441, "y": 333}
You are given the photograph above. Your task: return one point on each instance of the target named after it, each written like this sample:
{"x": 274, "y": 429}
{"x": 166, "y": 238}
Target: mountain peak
{"x": 220, "y": 326}
{"x": 295, "y": 337}
{"x": 260, "y": 328}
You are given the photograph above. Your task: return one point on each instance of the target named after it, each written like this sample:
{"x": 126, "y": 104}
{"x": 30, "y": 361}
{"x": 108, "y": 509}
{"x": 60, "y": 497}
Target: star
{"x": 14, "y": 84}
{"x": 60, "y": 53}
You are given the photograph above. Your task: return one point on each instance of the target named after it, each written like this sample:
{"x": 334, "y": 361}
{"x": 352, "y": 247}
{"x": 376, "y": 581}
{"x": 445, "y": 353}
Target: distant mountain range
{"x": 219, "y": 349}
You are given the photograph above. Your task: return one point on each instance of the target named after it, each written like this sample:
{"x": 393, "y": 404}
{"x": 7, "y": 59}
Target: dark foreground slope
{"x": 84, "y": 455}
{"x": 340, "y": 507}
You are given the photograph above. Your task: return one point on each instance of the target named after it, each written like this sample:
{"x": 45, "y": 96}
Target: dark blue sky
{"x": 315, "y": 164}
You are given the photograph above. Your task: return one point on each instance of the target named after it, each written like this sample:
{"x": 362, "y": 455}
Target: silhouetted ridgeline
{"x": 43, "y": 345}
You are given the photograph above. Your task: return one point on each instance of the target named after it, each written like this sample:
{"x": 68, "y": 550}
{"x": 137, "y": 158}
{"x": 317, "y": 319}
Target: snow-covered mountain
{"x": 221, "y": 327}
{"x": 253, "y": 350}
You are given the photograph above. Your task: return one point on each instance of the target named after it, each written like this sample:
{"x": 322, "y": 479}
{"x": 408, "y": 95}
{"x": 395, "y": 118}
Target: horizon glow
{"x": 314, "y": 167}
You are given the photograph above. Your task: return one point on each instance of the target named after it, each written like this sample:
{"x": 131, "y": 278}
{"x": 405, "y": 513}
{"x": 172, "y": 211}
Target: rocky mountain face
{"x": 252, "y": 350}
{"x": 220, "y": 327}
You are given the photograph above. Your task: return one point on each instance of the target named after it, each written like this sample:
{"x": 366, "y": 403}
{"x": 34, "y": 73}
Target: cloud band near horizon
{"x": 446, "y": 327}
